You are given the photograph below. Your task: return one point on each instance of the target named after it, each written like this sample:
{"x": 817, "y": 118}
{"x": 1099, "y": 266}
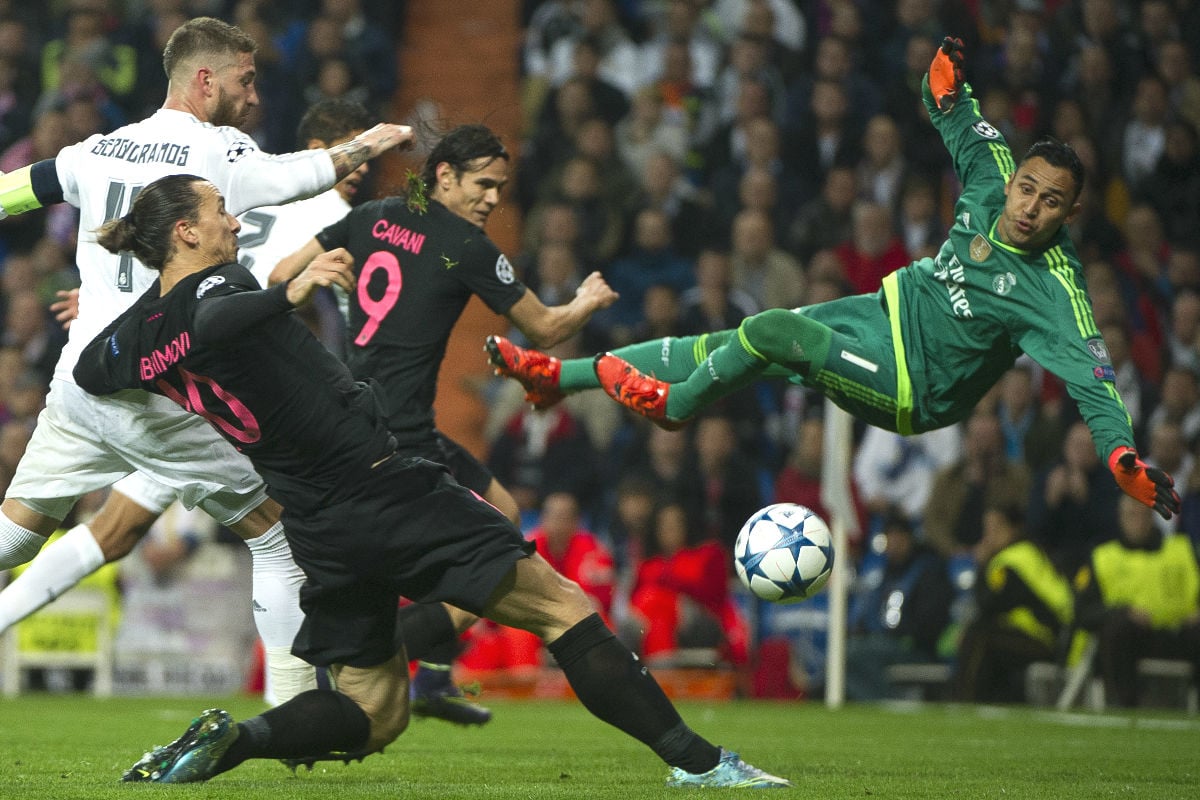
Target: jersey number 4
{"x": 117, "y": 203}
{"x": 376, "y": 310}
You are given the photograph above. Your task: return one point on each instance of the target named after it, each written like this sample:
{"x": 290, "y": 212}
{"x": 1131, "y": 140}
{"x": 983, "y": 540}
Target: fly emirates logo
{"x": 953, "y": 275}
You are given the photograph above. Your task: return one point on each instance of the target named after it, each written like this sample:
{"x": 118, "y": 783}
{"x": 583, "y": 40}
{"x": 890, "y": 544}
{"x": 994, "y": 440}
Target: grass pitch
{"x": 77, "y": 747}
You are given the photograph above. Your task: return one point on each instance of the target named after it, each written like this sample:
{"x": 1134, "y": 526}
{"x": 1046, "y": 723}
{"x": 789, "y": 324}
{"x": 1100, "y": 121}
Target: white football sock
{"x": 277, "y": 614}
{"x": 61, "y": 564}
{"x": 17, "y": 544}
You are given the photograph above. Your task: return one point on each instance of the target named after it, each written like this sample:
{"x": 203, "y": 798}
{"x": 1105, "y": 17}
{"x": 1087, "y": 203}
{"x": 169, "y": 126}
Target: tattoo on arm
{"x": 348, "y": 156}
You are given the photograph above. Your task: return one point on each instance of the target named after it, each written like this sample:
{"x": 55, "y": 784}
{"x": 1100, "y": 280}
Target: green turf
{"x": 77, "y": 747}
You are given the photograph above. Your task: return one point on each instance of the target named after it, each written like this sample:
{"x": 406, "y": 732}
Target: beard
{"x": 227, "y": 111}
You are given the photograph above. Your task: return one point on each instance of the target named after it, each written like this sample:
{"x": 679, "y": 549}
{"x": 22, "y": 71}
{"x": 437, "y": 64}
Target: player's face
{"x": 473, "y": 193}
{"x": 235, "y": 92}
{"x": 1039, "y": 199}
{"x": 216, "y": 227}
{"x": 349, "y": 186}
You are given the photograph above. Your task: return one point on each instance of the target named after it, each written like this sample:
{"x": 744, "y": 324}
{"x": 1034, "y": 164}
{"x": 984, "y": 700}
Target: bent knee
{"x": 386, "y": 726}
{"x": 782, "y": 336}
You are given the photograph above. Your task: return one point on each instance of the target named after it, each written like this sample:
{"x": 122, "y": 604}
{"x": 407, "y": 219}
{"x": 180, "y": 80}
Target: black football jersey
{"x": 230, "y": 352}
{"x": 416, "y": 272}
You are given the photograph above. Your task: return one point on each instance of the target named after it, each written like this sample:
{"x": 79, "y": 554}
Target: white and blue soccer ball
{"x": 784, "y": 553}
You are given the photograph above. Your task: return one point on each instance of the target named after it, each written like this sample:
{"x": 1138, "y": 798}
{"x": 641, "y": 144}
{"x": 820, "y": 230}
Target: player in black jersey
{"x": 418, "y": 260}
{"x": 365, "y": 524}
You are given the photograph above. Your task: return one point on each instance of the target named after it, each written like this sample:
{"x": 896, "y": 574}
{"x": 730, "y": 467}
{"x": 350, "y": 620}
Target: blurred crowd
{"x": 713, "y": 158}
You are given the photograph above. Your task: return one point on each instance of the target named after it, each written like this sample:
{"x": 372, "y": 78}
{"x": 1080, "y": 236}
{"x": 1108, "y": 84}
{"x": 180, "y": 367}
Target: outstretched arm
{"x": 547, "y": 326}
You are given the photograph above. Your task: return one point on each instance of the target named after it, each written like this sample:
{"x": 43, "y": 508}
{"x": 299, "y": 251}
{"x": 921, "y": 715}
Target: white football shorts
{"x": 83, "y": 443}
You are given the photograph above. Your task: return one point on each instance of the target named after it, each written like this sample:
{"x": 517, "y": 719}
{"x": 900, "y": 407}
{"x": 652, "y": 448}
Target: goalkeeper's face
{"x": 1039, "y": 199}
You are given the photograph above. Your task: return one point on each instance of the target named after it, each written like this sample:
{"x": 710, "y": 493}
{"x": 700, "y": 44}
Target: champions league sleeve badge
{"x": 504, "y": 270}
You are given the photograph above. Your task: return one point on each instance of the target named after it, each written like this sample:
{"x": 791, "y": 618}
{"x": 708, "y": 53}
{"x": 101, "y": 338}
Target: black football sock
{"x": 427, "y": 632}
{"x": 312, "y": 723}
{"x": 614, "y": 685}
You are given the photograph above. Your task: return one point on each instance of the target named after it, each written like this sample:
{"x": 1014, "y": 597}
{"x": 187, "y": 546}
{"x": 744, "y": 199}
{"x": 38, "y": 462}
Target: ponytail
{"x": 147, "y": 230}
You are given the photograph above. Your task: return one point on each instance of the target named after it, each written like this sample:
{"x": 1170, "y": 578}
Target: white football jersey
{"x": 104, "y": 173}
{"x": 271, "y": 233}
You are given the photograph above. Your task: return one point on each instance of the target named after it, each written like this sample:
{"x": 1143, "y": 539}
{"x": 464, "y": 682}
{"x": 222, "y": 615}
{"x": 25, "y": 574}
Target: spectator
{"x": 1168, "y": 449}
{"x": 1032, "y": 435}
{"x": 825, "y": 221}
{"x": 1023, "y": 606}
{"x": 693, "y": 226}
{"x": 919, "y": 223}
{"x": 576, "y": 554}
{"x": 767, "y": 273}
{"x": 600, "y": 227}
{"x": 540, "y": 452}
{"x": 618, "y": 55}
{"x": 1175, "y": 67}
{"x": 954, "y": 517}
{"x": 1173, "y": 186}
{"x": 85, "y": 40}
{"x": 1180, "y": 404}
{"x": 574, "y": 551}
{"x": 647, "y": 131}
{"x": 761, "y": 154}
{"x": 1183, "y": 335}
{"x": 681, "y": 598}
{"x": 894, "y": 472}
{"x": 679, "y": 21}
{"x": 1144, "y": 134}
{"x": 828, "y": 136}
{"x": 713, "y": 304}
{"x": 835, "y": 60}
{"x": 653, "y": 261}
{"x": 725, "y": 486}
{"x": 874, "y": 251}
{"x": 882, "y": 170}
{"x": 1073, "y": 503}
{"x": 368, "y": 49}
{"x": 1140, "y": 595}
{"x": 899, "y": 608}
{"x": 749, "y": 62}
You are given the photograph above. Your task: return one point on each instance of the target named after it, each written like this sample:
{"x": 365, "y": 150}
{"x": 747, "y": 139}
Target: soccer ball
{"x": 784, "y": 553}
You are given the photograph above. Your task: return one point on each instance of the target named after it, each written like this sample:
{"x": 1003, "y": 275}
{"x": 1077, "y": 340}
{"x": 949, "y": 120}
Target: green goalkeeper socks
{"x": 670, "y": 359}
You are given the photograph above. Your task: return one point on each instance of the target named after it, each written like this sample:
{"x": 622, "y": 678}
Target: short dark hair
{"x": 1058, "y": 154}
{"x": 330, "y": 120}
{"x": 459, "y": 148}
{"x": 207, "y": 36}
{"x": 146, "y": 230}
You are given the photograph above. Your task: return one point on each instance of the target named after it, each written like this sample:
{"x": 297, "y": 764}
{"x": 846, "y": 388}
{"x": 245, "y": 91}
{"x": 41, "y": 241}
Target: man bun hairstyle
{"x": 146, "y": 231}
{"x": 204, "y": 36}
{"x": 459, "y": 148}
{"x": 1061, "y": 155}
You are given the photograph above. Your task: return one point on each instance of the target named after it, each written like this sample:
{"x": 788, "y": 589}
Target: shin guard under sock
{"x": 58, "y": 567}
{"x": 615, "y": 686}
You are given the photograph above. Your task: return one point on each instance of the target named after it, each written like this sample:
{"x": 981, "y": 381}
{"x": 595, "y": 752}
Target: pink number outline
{"x": 247, "y": 434}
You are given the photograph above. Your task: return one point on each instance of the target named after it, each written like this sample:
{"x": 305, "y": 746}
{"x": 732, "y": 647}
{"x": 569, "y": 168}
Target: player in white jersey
{"x": 82, "y": 443}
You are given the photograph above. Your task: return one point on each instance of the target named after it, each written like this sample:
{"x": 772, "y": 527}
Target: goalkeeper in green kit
{"x": 921, "y": 352}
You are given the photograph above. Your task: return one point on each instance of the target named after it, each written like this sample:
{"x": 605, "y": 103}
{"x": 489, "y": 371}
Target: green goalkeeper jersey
{"x": 966, "y": 315}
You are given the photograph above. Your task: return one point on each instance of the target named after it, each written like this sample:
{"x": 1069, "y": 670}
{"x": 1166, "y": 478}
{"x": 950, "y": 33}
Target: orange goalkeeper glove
{"x": 945, "y": 73}
{"x": 1148, "y": 485}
